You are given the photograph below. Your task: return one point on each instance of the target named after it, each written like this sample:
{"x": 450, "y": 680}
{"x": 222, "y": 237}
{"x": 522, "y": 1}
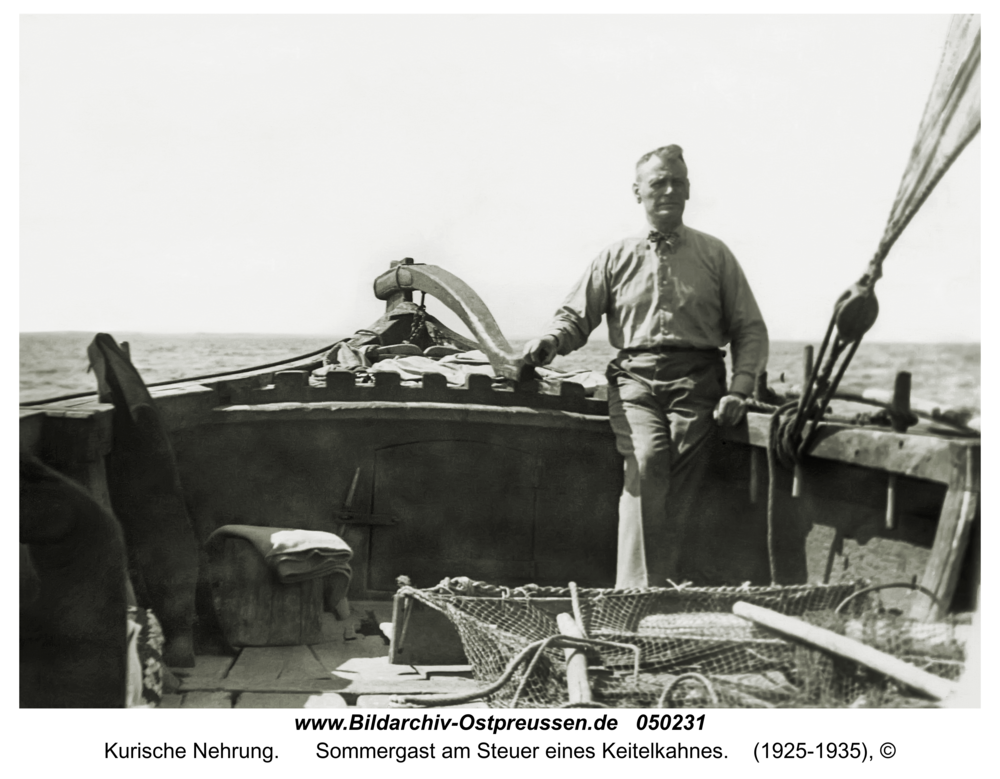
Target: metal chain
{"x": 419, "y": 321}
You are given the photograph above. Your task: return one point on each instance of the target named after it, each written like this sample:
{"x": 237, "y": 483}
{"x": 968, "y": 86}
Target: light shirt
{"x": 691, "y": 295}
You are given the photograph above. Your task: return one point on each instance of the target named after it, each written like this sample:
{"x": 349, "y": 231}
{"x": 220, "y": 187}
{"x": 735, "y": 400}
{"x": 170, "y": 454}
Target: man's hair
{"x": 671, "y": 152}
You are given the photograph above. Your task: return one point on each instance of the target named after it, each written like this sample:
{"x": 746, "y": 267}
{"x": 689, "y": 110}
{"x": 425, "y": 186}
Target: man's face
{"x": 663, "y": 188}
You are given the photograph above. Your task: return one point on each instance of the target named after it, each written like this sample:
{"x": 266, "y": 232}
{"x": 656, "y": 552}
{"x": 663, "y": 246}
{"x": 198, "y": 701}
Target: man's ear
{"x": 635, "y": 191}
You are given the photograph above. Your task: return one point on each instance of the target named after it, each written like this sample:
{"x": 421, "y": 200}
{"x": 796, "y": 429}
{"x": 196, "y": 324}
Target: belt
{"x": 671, "y": 349}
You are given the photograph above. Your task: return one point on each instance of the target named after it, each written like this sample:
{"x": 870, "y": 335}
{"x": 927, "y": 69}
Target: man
{"x": 673, "y": 299}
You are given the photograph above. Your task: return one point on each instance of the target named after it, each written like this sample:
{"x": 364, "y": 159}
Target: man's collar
{"x": 673, "y": 239}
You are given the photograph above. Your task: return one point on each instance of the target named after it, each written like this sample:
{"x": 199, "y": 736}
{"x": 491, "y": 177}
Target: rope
{"x": 465, "y": 697}
{"x": 218, "y": 375}
{"x": 536, "y": 649}
{"x": 286, "y": 361}
{"x": 583, "y": 705}
{"x": 794, "y": 425}
{"x": 876, "y": 587}
{"x": 780, "y": 448}
{"x": 684, "y": 678}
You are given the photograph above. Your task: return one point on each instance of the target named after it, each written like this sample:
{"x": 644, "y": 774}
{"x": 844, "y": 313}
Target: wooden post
{"x": 807, "y": 369}
{"x": 759, "y": 390}
{"x": 836, "y": 548}
{"x": 901, "y": 411}
{"x": 952, "y": 538}
{"x": 807, "y": 365}
{"x": 927, "y": 683}
{"x": 574, "y": 595}
{"x": 890, "y": 502}
{"x": 576, "y": 662}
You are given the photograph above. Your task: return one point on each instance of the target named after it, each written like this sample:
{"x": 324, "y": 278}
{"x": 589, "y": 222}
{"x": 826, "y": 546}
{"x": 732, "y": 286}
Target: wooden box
{"x": 253, "y": 607}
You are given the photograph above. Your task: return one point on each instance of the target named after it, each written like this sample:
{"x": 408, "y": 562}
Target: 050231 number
{"x": 670, "y": 722}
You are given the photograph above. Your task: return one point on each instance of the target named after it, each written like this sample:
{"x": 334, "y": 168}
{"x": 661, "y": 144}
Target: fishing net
{"x": 683, "y": 646}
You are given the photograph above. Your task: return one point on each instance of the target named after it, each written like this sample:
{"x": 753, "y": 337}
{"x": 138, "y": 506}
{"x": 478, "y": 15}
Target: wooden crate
{"x": 253, "y": 607}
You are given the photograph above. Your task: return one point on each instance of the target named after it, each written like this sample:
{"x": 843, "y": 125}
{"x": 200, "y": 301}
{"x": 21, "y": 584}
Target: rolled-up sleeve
{"x": 581, "y": 312}
{"x": 747, "y": 331}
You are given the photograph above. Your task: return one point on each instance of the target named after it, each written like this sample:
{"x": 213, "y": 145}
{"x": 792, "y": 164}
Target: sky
{"x": 256, "y": 173}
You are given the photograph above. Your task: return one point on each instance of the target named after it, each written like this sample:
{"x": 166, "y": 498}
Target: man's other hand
{"x": 730, "y": 411}
{"x": 541, "y": 351}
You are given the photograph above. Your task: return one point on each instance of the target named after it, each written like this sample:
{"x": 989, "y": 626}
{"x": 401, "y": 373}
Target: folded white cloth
{"x": 294, "y": 555}
{"x": 474, "y": 357}
{"x": 590, "y": 380}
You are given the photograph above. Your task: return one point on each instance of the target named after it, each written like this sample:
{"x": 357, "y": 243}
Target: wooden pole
{"x": 574, "y": 595}
{"x": 954, "y": 528}
{"x": 576, "y": 662}
{"x": 836, "y": 548}
{"x": 807, "y": 369}
{"x": 926, "y": 683}
{"x": 890, "y": 502}
{"x": 901, "y": 411}
{"x": 756, "y": 456}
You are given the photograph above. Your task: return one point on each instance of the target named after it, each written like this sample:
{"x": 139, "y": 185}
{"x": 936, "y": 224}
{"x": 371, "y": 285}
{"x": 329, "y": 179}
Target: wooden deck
{"x": 347, "y": 669}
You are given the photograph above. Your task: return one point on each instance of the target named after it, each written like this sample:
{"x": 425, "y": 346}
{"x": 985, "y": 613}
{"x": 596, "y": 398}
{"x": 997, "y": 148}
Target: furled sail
{"x": 951, "y": 119}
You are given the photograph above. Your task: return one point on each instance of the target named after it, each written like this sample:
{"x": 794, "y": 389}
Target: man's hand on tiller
{"x": 731, "y": 410}
{"x": 541, "y": 351}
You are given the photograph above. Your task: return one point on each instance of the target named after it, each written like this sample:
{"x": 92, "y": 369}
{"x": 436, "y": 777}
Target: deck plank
{"x": 279, "y": 700}
{"x": 258, "y": 663}
{"x": 208, "y": 673}
{"x": 408, "y": 685}
{"x": 280, "y": 669}
{"x": 385, "y": 702}
{"x": 333, "y": 654}
{"x": 375, "y": 668}
{"x": 207, "y": 700}
{"x": 428, "y": 671}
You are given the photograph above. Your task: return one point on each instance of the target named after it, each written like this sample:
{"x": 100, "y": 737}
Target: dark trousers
{"x": 661, "y": 407}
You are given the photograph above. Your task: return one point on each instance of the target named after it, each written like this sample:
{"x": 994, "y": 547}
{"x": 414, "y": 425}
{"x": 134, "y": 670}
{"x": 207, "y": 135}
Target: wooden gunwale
{"x": 950, "y": 461}
{"x": 76, "y": 433}
{"x": 418, "y": 411}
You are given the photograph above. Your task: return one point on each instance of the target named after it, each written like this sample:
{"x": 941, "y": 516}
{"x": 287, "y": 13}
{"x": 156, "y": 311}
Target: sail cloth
{"x": 951, "y": 119}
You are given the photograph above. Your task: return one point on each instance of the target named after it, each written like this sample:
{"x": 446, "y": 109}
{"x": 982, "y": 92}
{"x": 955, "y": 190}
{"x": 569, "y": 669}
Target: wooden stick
{"x": 890, "y": 501}
{"x": 574, "y": 595}
{"x": 836, "y": 548}
{"x": 951, "y": 539}
{"x": 807, "y": 364}
{"x": 929, "y": 684}
{"x": 757, "y": 461}
{"x": 900, "y": 421}
{"x": 576, "y": 662}
{"x": 807, "y": 370}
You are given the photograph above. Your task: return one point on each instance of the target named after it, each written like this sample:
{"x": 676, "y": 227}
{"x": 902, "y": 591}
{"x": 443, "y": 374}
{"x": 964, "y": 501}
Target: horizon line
{"x": 964, "y": 341}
